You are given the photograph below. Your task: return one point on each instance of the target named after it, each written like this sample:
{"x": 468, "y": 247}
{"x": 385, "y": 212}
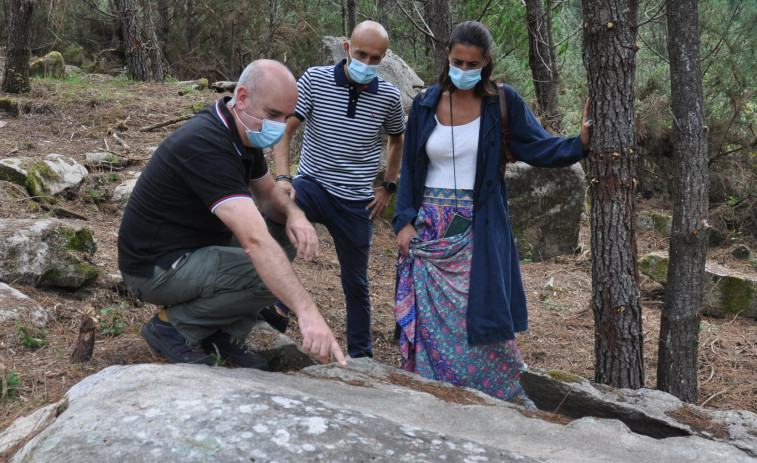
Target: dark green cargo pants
{"x": 210, "y": 289}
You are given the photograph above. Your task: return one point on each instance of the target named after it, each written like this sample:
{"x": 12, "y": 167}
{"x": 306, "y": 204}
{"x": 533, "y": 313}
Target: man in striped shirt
{"x": 345, "y": 107}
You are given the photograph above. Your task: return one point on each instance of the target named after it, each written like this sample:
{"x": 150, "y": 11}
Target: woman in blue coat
{"x": 460, "y": 298}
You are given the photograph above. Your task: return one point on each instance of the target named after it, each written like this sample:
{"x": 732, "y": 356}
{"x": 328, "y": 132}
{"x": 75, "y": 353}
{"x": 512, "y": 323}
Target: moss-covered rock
{"x": 729, "y": 295}
{"x": 566, "y": 377}
{"x": 725, "y": 294}
{"x": 655, "y": 266}
{"x": 51, "y": 65}
{"x": 47, "y": 252}
{"x": 80, "y": 240}
{"x": 651, "y": 220}
{"x": 39, "y": 174}
{"x": 12, "y": 171}
{"x": 70, "y": 273}
{"x": 9, "y": 106}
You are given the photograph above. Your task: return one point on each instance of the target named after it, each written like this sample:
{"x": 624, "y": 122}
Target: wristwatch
{"x": 390, "y": 186}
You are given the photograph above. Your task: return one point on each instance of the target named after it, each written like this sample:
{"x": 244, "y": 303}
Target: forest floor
{"x": 96, "y": 113}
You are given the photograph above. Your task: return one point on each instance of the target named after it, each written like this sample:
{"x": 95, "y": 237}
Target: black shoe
{"x": 274, "y": 318}
{"x": 163, "y": 338}
{"x": 233, "y": 349}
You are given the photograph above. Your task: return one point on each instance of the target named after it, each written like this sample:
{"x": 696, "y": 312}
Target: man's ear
{"x": 242, "y": 95}
{"x": 346, "y": 47}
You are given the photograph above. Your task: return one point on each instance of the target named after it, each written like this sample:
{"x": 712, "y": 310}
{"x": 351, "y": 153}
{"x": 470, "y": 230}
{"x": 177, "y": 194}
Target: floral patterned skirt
{"x": 432, "y": 302}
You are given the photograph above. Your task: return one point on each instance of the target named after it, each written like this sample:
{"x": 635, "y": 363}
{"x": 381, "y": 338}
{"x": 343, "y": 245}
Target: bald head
{"x": 265, "y": 75}
{"x": 370, "y": 32}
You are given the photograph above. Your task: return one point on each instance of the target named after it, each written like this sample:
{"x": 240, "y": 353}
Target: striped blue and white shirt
{"x": 342, "y": 141}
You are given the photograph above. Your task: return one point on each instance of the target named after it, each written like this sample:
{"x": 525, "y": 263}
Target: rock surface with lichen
{"x": 42, "y": 179}
{"x": 363, "y": 412}
{"x": 48, "y": 252}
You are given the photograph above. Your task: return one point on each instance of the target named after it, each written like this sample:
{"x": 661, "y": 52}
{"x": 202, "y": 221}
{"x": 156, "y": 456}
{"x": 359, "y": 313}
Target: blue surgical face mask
{"x": 360, "y": 72}
{"x": 464, "y": 80}
{"x": 270, "y": 134}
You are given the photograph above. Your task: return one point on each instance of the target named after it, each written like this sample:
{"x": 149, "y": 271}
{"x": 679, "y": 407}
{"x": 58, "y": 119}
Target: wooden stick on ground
{"x": 164, "y": 123}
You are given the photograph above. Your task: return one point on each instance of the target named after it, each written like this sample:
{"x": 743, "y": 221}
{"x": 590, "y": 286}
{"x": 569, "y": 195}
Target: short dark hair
{"x": 471, "y": 33}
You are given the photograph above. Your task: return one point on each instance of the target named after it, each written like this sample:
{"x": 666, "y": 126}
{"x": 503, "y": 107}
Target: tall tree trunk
{"x": 609, "y": 53}
{"x": 154, "y": 52}
{"x": 542, "y": 60}
{"x": 131, "y": 28}
{"x": 163, "y": 23}
{"x": 679, "y": 325}
{"x": 189, "y": 7}
{"x": 439, "y": 19}
{"x": 382, "y": 8}
{"x": 18, "y": 50}
{"x": 351, "y": 15}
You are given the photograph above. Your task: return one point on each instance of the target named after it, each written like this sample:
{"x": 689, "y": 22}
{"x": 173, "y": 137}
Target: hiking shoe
{"x": 233, "y": 349}
{"x": 163, "y": 338}
{"x": 274, "y": 318}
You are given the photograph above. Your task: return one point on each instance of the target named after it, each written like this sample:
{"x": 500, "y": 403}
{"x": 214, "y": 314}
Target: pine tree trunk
{"x": 18, "y": 51}
{"x": 542, "y": 63}
{"x": 135, "y": 50}
{"x": 351, "y": 15}
{"x": 439, "y": 19}
{"x": 679, "y": 325}
{"x": 154, "y": 53}
{"x": 610, "y": 59}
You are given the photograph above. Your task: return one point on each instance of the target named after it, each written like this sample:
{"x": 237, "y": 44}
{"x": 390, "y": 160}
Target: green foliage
{"x": 111, "y": 322}
{"x": 9, "y": 385}
{"x": 112, "y": 158}
{"x": 30, "y": 336}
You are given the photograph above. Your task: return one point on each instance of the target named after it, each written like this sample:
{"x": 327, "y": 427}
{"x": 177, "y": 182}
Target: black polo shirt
{"x": 170, "y": 212}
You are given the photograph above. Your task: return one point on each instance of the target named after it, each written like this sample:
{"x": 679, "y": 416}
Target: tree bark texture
{"x": 135, "y": 49}
{"x": 541, "y": 59}
{"x": 679, "y": 325}
{"x": 154, "y": 52}
{"x": 351, "y": 15}
{"x": 18, "y": 50}
{"x": 609, "y": 53}
{"x": 439, "y": 19}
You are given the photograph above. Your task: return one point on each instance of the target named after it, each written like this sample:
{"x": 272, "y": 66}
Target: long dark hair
{"x": 471, "y": 33}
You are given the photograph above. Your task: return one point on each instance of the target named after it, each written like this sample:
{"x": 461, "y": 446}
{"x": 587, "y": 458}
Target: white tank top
{"x": 439, "y": 149}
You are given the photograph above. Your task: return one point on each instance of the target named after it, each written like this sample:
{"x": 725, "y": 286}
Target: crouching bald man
{"x": 208, "y": 234}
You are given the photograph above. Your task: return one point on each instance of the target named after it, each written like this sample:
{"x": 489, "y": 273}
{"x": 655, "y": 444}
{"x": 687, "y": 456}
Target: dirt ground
{"x": 102, "y": 113}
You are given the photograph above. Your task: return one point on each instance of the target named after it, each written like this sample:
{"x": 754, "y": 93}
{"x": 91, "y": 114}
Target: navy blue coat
{"x": 496, "y": 301}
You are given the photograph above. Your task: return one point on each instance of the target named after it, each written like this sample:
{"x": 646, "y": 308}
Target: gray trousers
{"x": 211, "y": 289}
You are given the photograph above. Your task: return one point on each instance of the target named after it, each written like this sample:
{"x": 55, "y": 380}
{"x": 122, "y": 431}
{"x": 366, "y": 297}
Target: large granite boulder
{"x": 364, "y": 412}
{"x": 545, "y": 209}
